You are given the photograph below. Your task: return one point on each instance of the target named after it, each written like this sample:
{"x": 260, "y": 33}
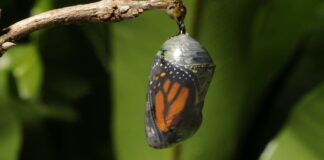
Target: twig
{"x": 102, "y": 11}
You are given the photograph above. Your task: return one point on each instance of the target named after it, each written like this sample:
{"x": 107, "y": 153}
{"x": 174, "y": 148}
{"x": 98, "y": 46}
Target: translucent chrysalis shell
{"x": 180, "y": 75}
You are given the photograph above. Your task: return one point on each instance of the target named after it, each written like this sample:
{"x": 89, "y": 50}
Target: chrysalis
{"x": 179, "y": 79}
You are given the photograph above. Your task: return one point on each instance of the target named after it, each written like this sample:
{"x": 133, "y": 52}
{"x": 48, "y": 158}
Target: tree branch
{"x": 102, "y": 11}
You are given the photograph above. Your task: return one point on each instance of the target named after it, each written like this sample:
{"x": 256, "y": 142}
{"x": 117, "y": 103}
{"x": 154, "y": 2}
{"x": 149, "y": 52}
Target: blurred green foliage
{"x": 78, "y": 92}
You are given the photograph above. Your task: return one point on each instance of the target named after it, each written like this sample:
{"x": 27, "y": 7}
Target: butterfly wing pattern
{"x": 179, "y": 79}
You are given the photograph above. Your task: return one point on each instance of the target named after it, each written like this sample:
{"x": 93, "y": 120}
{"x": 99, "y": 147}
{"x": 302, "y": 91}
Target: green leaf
{"x": 4, "y": 81}
{"x": 10, "y": 133}
{"x": 41, "y": 6}
{"x": 27, "y": 70}
{"x": 277, "y": 30}
{"x": 302, "y": 138}
{"x": 35, "y": 112}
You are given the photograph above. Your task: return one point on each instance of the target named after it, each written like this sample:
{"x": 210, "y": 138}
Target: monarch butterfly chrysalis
{"x": 179, "y": 79}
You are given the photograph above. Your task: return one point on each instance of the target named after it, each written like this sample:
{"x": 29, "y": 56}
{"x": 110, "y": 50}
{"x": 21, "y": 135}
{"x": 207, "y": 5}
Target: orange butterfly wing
{"x": 169, "y": 103}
